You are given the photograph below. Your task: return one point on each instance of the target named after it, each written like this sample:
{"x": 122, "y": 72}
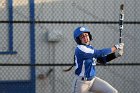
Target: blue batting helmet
{"x": 80, "y": 30}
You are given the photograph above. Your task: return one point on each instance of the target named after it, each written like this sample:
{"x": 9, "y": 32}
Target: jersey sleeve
{"x": 102, "y": 52}
{"x": 85, "y": 52}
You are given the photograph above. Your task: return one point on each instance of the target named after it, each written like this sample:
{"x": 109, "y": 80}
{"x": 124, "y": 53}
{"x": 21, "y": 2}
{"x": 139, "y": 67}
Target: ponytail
{"x": 66, "y": 70}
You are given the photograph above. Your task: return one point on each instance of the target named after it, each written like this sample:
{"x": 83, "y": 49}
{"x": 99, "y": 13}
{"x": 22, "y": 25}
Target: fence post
{"x": 32, "y": 43}
{"x": 10, "y": 28}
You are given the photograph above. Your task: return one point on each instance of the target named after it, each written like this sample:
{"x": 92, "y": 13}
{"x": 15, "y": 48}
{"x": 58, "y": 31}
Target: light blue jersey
{"x": 85, "y": 59}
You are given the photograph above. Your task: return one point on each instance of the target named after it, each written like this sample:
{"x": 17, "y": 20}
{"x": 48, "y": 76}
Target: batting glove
{"x": 120, "y": 50}
{"x": 119, "y": 46}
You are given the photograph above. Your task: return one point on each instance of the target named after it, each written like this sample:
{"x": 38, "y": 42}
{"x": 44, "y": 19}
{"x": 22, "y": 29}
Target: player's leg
{"x": 101, "y": 86}
{"x": 81, "y": 86}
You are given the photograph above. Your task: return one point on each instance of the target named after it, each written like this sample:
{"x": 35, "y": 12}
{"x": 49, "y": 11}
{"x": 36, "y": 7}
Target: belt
{"x": 86, "y": 79}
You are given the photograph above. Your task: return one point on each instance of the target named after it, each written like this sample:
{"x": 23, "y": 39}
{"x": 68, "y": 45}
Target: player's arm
{"x": 103, "y": 60}
{"x": 112, "y": 56}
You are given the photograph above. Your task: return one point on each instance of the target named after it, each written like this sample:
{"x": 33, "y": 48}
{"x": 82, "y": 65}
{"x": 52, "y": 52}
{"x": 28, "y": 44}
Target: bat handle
{"x": 120, "y": 39}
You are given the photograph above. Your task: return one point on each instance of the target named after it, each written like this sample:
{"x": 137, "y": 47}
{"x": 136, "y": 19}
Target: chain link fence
{"x": 54, "y": 22}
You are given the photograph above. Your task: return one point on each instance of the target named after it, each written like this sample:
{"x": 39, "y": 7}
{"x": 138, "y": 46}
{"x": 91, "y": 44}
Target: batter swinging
{"x": 86, "y": 57}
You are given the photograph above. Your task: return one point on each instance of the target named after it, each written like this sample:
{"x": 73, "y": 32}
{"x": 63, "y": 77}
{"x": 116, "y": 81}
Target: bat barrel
{"x": 121, "y": 23}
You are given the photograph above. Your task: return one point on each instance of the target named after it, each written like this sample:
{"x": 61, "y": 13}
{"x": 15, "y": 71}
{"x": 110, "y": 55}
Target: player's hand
{"x": 119, "y": 46}
{"x": 120, "y": 50}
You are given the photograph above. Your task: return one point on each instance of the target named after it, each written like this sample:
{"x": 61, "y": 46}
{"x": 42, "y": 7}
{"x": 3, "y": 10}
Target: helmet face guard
{"x": 80, "y": 30}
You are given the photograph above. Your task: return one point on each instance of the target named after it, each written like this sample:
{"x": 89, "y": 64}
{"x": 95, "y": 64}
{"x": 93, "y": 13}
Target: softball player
{"x": 85, "y": 60}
